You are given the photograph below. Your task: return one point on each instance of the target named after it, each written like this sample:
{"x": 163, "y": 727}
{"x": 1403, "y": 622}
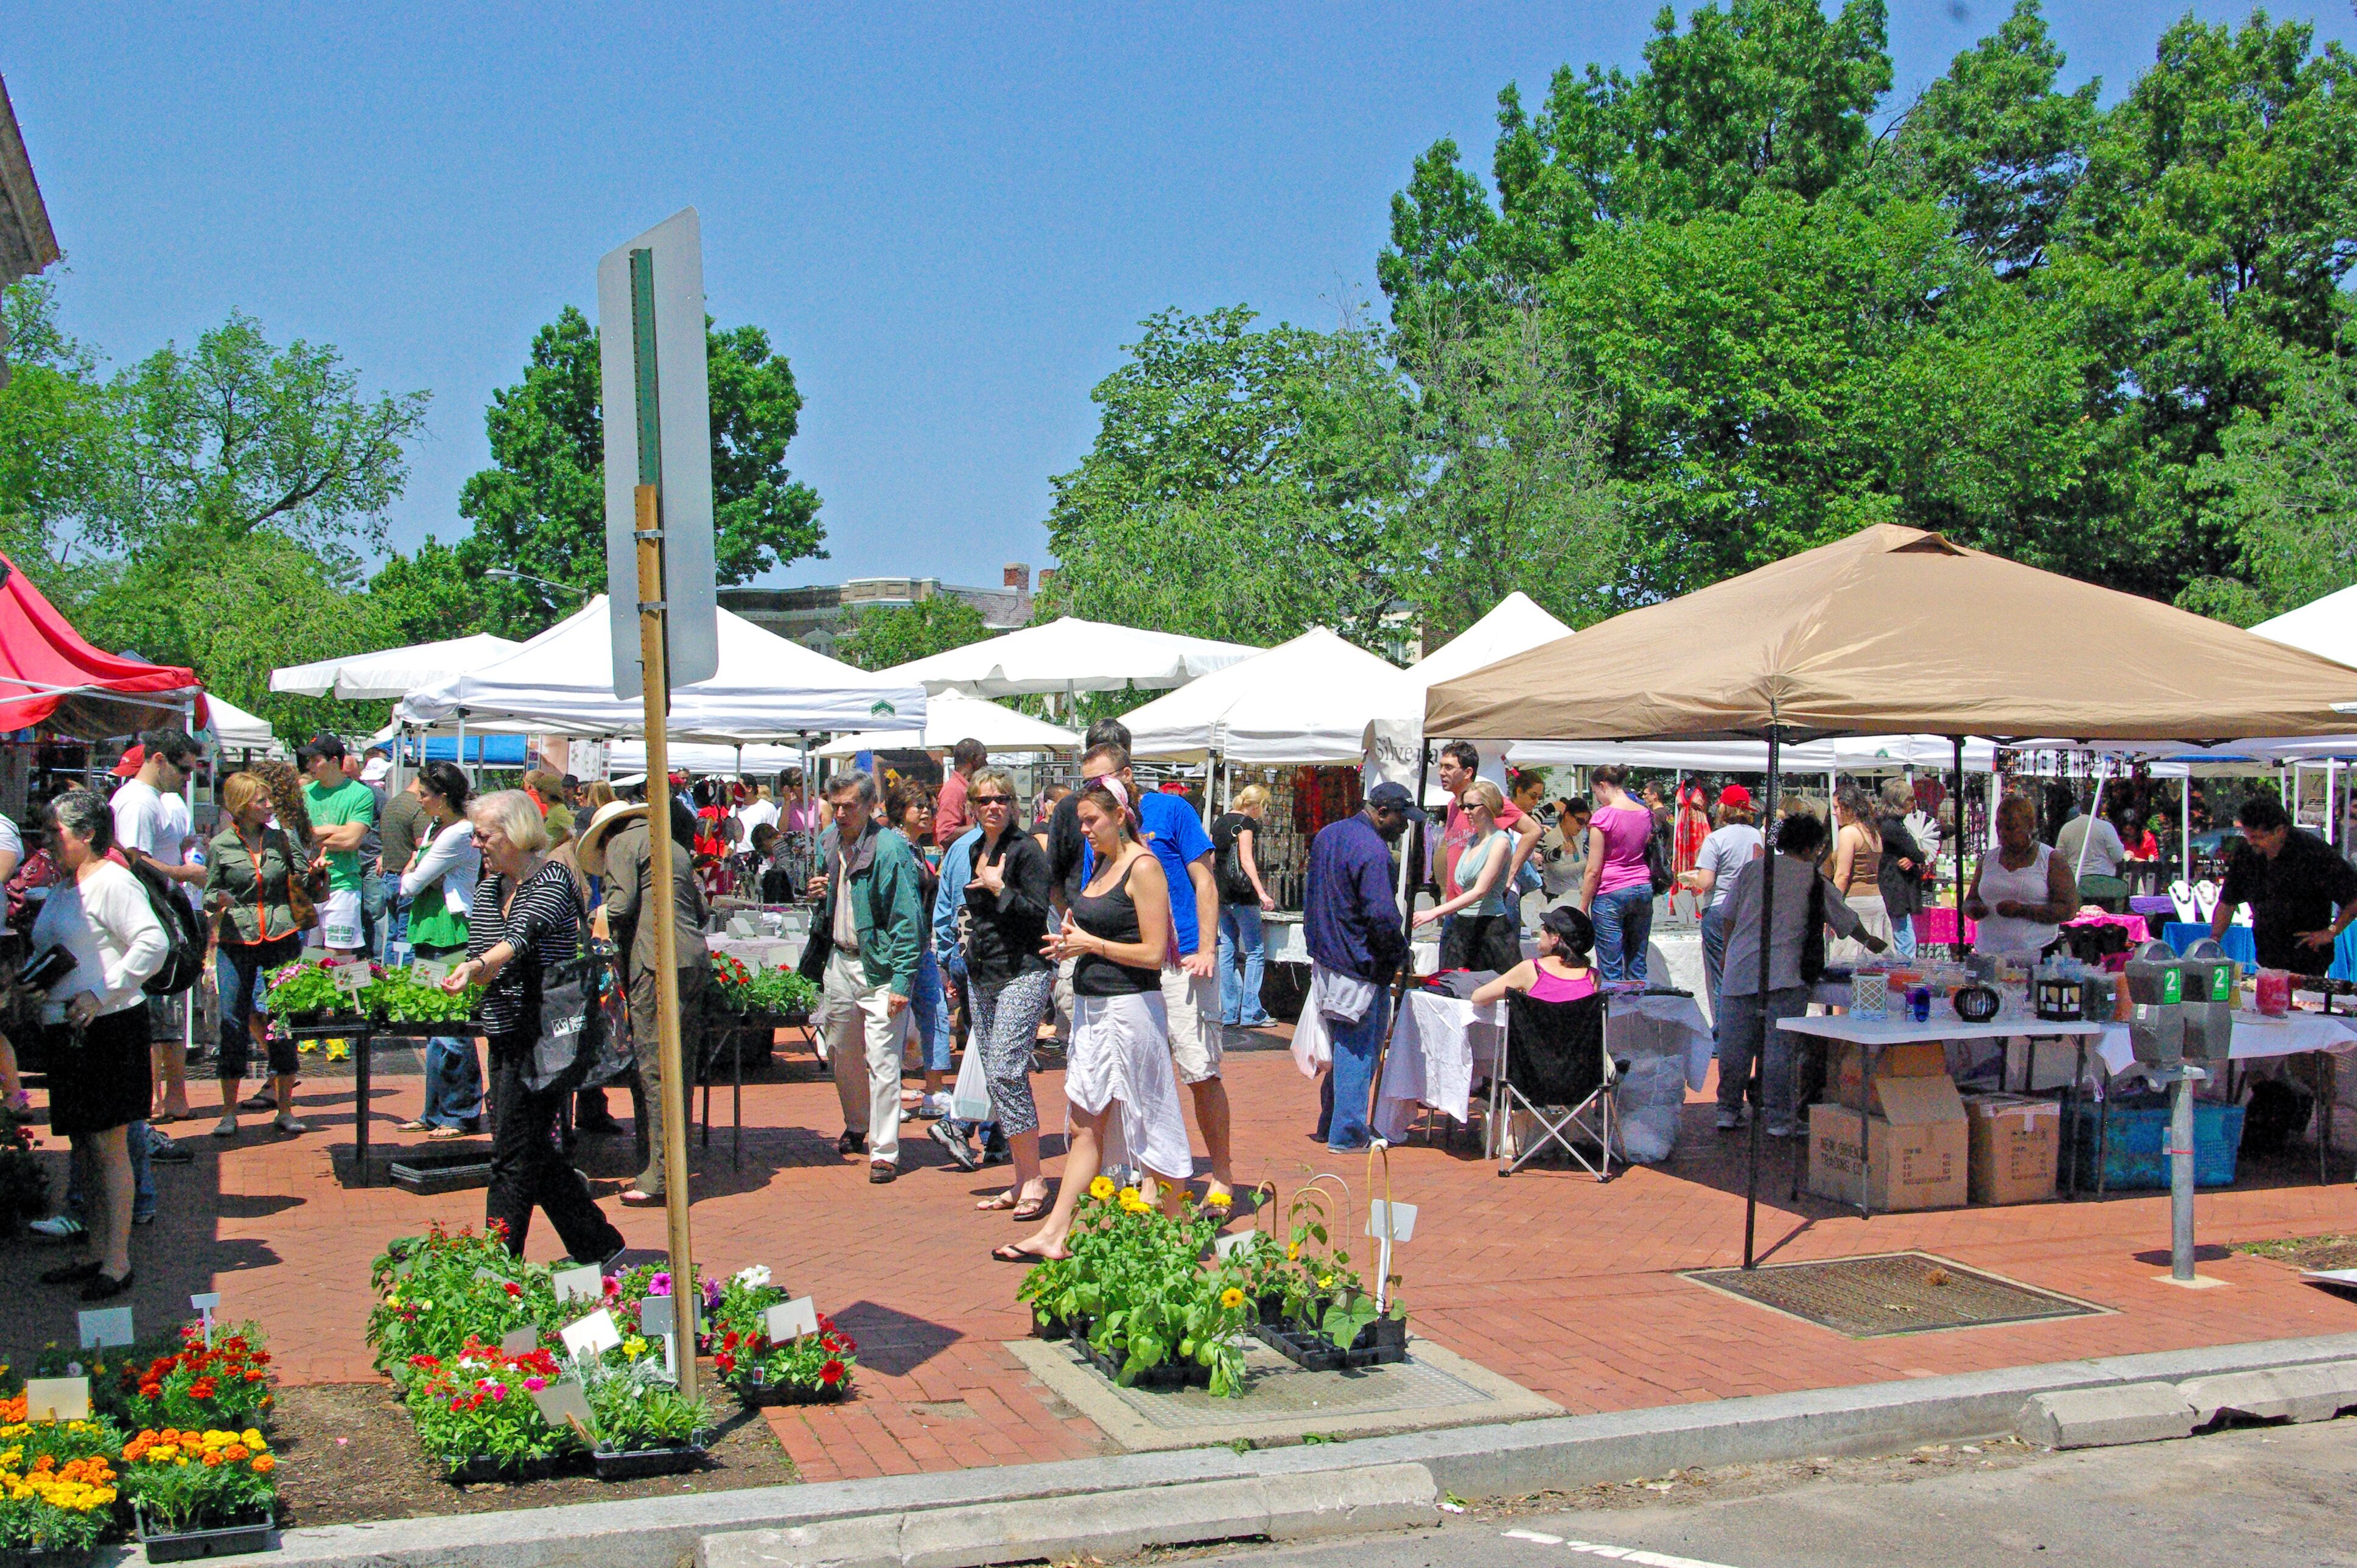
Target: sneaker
{"x": 164, "y": 1151}
{"x": 1727, "y": 1121}
{"x": 936, "y": 1104}
{"x": 288, "y": 1126}
{"x": 878, "y": 1173}
{"x": 961, "y": 1153}
{"x": 58, "y": 1227}
{"x": 146, "y": 1218}
{"x": 226, "y": 1127}
{"x": 1782, "y": 1130}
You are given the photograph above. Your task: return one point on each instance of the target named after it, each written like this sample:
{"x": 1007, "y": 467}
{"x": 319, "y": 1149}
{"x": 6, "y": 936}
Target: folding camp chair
{"x": 1559, "y": 1070}
{"x": 2110, "y": 891}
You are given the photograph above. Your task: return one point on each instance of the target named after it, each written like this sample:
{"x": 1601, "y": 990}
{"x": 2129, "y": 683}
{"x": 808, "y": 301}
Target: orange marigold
{"x": 264, "y": 1464}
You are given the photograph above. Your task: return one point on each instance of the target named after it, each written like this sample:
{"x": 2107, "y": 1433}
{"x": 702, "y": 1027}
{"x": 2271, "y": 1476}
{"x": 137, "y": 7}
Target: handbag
{"x": 46, "y": 968}
{"x": 1813, "y": 937}
{"x": 572, "y": 1026}
{"x": 1657, "y": 861}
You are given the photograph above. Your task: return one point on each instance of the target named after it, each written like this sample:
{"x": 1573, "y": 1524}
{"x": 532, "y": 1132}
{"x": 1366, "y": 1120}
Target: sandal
{"x": 1031, "y": 1208}
{"x": 999, "y": 1204}
{"x": 1012, "y": 1253}
{"x": 635, "y": 1198}
{"x": 414, "y": 1127}
{"x": 450, "y": 1133}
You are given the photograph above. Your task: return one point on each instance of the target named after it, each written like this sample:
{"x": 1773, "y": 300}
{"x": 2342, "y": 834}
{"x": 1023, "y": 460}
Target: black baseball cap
{"x": 1389, "y": 797}
{"x": 320, "y": 745}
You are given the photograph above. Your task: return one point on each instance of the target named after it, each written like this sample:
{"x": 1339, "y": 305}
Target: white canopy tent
{"x": 1514, "y": 625}
{"x": 561, "y": 683}
{"x": 1069, "y": 655}
{"x": 2327, "y": 627}
{"x": 951, "y": 718}
{"x": 234, "y": 729}
{"x": 390, "y": 674}
{"x": 760, "y": 759}
{"x": 1307, "y": 700}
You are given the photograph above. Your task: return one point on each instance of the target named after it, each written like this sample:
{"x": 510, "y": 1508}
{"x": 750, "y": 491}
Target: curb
{"x": 1505, "y": 1459}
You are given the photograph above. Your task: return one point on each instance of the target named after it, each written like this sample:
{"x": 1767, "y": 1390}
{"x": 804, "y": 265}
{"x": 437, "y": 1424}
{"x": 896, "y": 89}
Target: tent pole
{"x": 2185, "y": 825}
{"x": 1956, "y": 793}
{"x": 1760, "y": 1056}
{"x": 188, "y": 1002}
{"x": 2094, "y": 815}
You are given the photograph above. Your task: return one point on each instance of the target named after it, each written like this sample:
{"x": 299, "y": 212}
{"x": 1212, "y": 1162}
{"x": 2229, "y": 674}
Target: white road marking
{"x": 1647, "y": 1559}
{"x": 1533, "y": 1535}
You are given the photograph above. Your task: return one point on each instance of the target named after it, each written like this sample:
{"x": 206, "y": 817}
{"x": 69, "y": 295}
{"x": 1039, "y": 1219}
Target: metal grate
{"x": 1890, "y": 1293}
{"x": 1278, "y": 1389}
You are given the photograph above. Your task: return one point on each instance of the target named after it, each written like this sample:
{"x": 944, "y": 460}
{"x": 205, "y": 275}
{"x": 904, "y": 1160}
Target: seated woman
{"x": 1561, "y": 972}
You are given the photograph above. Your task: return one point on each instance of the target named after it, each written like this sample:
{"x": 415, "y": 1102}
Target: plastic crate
{"x": 2136, "y": 1155}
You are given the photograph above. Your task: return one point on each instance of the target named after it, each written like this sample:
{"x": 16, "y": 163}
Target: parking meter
{"x": 2211, "y": 978}
{"x": 2156, "y": 982}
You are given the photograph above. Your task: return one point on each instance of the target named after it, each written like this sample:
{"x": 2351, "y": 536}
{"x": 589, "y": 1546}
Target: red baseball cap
{"x": 132, "y": 760}
{"x": 1737, "y": 796}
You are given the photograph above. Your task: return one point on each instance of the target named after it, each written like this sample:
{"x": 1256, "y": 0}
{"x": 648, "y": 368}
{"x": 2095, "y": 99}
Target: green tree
{"x": 238, "y": 435}
{"x": 2284, "y": 489}
{"x": 1997, "y": 144}
{"x": 887, "y": 635}
{"x": 542, "y": 507}
{"x": 56, "y": 431}
{"x": 2208, "y": 239}
{"x": 1240, "y": 485}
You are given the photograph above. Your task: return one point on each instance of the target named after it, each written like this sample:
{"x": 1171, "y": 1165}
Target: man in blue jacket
{"x": 1350, "y": 922}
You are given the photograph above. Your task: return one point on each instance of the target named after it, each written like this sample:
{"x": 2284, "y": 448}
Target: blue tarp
{"x": 482, "y": 750}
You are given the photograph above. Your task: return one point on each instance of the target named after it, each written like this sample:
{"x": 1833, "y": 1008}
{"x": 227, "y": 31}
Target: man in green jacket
{"x": 870, "y": 914}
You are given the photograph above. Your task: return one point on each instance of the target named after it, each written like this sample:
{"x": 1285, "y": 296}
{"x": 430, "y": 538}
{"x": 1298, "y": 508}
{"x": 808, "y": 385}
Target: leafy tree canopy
{"x": 887, "y": 635}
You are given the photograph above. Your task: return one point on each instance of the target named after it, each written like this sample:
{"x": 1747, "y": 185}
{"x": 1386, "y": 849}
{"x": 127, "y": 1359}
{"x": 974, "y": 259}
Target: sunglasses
{"x": 993, "y": 800}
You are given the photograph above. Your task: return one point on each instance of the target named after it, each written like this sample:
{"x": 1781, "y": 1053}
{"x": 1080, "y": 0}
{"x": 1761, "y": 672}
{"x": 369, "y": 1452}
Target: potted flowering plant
{"x": 640, "y": 1423}
{"x": 225, "y": 1384}
{"x": 435, "y": 1291}
{"x": 1136, "y": 1295}
{"x": 474, "y": 1412}
{"x": 200, "y": 1493}
{"x": 810, "y": 1369}
{"x": 24, "y": 1186}
{"x": 1313, "y": 1308}
{"x": 57, "y": 1485}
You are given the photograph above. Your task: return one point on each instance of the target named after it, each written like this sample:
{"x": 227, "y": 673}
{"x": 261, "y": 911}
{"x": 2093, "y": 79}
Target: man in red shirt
{"x": 950, "y": 815}
{"x": 1458, "y": 763}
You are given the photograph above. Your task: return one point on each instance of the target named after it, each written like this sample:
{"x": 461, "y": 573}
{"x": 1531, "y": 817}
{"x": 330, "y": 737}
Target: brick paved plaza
{"x": 1569, "y": 1288}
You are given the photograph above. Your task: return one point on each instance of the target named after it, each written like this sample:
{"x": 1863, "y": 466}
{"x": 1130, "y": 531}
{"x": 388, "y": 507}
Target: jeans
{"x": 1239, "y": 935}
{"x": 527, "y": 1172}
{"x": 1624, "y": 924}
{"x": 241, "y": 970}
{"x": 1902, "y": 935}
{"x": 143, "y": 1174}
{"x": 376, "y": 924}
{"x": 1745, "y": 1027}
{"x": 1355, "y": 1047}
{"x": 454, "y": 1076}
{"x": 1715, "y": 922}
{"x": 929, "y": 1014}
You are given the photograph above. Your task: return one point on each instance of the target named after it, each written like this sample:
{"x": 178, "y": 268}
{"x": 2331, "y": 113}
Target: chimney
{"x": 1018, "y": 576}
{"x": 1046, "y": 575}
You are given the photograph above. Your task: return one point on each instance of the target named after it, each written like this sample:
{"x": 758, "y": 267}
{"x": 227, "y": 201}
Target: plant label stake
{"x": 1388, "y": 1222}
{"x": 206, "y": 1304}
{"x": 584, "y": 1284}
{"x": 353, "y": 978}
{"x": 428, "y": 971}
{"x": 791, "y": 1320}
{"x": 108, "y": 1326}
{"x": 658, "y": 1317}
{"x": 564, "y": 1403}
{"x": 593, "y": 1336}
{"x": 519, "y": 1341}
{"x": 57, "y": 1399}
{"x": 1236, "y": 1241}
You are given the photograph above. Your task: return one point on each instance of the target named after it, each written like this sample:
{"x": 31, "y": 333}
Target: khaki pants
{"x": 864, "y": 1042}
{"x": 645, "y": 1047}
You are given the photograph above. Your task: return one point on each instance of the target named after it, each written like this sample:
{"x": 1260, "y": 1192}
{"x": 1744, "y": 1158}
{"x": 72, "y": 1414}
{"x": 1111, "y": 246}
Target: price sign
{"x": 593, "y": 1336}
{"x": 583, "y": 1284}
{"x": 520, "y": 1341}
{"x": 564, "y": 1404}
{"x": 57, "y": 1399}
{"x": 353, "y": 977}
{"x": 792, "y": 1319}
{"x": 111, "y": 1326}
{"x": 428, "y": 971}
{"x": 1390, "y": 1222}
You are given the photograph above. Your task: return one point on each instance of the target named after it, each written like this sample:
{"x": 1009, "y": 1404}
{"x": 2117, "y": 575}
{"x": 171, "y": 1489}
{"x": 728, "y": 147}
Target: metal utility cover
{"x": 685, "y": 445}
{"x": 1890, "y": 1293}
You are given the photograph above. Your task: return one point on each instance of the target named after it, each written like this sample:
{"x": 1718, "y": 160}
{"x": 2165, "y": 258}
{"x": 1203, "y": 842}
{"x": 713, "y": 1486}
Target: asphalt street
{"x": 2257, "y": 1498}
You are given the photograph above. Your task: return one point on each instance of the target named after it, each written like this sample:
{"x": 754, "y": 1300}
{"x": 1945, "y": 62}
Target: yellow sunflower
{"x": 1101, "y": 1188}
{"x": 1230, "y": 1299}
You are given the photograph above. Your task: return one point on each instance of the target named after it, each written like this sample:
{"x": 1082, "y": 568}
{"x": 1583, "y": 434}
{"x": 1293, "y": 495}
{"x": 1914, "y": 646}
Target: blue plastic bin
{"x": 2135, "y": 1155}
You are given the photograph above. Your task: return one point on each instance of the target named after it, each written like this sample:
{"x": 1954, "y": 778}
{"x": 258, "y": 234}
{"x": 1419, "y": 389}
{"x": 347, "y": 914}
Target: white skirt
{"x": 1121, "y": 1052}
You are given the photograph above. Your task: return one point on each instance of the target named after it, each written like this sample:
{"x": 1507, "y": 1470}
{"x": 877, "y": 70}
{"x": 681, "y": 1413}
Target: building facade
{"x": 818, "y": 617}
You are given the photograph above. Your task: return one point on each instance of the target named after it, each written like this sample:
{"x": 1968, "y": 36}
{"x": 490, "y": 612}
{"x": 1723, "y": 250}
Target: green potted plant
{"x": 196, "y": 1493}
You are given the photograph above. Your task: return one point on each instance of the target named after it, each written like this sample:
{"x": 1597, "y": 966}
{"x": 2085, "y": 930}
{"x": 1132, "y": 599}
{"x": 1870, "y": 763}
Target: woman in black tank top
{"x": 1117, "y": 931}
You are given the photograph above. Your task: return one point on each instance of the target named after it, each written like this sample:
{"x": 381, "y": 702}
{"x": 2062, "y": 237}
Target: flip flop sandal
{"x": 999, "y": 1205}
{"x": 1035, "y": 1209}
{"x": 1011, "y": 1253}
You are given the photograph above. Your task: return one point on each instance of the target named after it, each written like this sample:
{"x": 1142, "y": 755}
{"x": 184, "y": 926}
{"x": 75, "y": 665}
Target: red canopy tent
{"x": 48, "y": 675}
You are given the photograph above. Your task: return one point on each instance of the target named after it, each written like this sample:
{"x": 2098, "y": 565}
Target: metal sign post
{"x": 646, "y": 351}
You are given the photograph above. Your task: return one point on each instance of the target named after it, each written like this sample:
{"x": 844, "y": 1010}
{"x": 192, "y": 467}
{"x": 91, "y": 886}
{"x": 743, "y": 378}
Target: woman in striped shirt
{"x": 525, "y": 919}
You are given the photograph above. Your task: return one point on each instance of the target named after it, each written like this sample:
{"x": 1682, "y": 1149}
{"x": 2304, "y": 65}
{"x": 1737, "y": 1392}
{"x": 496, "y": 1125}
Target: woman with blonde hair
{"x": 250, "y": 870}
{"x": 1008, "y": 980}
{"x": 1243, "y": 897}
{"x": 525, "y": 923}
{"x": 1484, "y": 934}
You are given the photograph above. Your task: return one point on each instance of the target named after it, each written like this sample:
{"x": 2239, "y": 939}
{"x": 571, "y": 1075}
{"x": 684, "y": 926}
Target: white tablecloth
{"x": 1444, "y": 1043}
{"x": 2255, "y": 1037}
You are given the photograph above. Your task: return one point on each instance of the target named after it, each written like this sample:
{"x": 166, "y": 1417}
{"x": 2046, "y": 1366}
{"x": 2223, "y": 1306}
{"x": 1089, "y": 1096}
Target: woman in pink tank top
{"x": 1561, "y": 972}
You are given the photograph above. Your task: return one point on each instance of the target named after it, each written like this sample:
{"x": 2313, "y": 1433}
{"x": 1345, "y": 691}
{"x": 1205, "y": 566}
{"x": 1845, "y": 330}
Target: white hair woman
{"x": 523, "y": 921}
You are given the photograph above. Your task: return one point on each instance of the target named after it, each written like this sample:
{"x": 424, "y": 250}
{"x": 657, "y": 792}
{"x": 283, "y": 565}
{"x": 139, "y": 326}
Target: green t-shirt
{"x": 334, "y": 807}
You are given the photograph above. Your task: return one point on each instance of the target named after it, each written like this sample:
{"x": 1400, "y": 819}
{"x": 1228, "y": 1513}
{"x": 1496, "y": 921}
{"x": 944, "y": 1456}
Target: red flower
{"x": 831, "y": 1374}
{"x": 253, "y": 1376}
{"x": 514, "y": 1289}
{"x": 729, "y": 1341}
{"x": 202, "y": 1388}
{"x": 150, "y": 1390}
{"x": 424, "y": 1361}
{"x": 725, "y": 1362}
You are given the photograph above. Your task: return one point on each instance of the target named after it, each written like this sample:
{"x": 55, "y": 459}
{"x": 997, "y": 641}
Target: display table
{"x": 1445, "y": 1044}
{"x": 1874, "y": 1036}
{"x": 757, "y": 952}
{"x": 2237, "y": 943}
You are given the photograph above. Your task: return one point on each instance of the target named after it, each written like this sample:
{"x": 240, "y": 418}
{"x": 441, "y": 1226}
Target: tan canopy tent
{"x": 1897, "y": 629}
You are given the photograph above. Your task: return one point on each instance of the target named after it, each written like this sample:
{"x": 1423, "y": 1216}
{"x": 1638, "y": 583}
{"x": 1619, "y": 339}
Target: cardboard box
{"x": 2016, "y": 1147}
{"x": 1847, "y": 1067}
{"x": 1917, "y": 1153}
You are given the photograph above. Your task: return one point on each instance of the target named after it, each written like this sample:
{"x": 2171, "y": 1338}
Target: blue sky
{"x": 950, "y": 219}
